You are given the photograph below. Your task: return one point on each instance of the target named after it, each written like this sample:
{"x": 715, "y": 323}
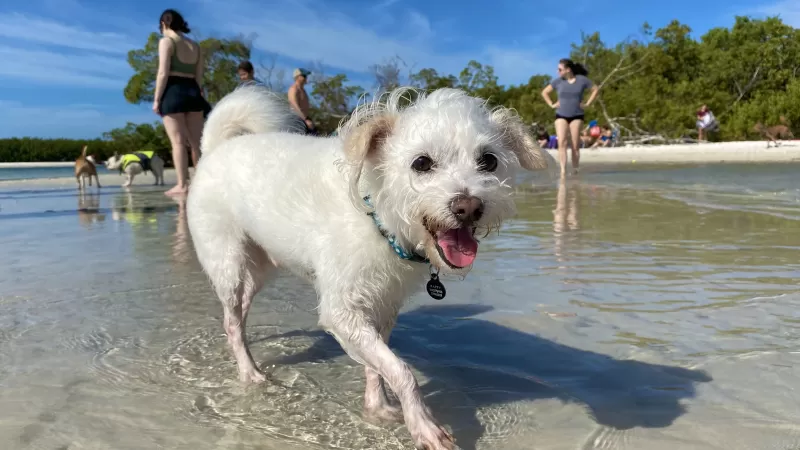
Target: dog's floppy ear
{"x": 365, "y": 141}
{"x": 520, "y": 140}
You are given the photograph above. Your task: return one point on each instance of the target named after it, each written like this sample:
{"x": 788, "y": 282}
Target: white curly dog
{"x": 362, "y": 216}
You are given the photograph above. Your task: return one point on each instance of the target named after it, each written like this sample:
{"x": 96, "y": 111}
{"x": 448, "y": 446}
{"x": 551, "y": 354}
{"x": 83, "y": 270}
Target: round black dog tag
{"x": 436, "y": 288}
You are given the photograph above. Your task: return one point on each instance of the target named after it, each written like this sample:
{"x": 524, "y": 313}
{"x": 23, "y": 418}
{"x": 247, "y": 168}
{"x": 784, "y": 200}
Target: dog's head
{"x": 439, "y": 171}
{"x": 114, "y": 161}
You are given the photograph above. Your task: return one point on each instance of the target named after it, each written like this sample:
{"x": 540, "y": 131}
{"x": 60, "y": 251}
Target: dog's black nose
{"x": 467, "y": 209}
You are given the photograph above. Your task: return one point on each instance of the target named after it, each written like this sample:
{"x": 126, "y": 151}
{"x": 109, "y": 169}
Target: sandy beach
{"x": 707, "y": 153}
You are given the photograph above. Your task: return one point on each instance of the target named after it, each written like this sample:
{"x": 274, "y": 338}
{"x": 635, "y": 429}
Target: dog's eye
{"x": 487, "y": 162}
{"x": 422, "y": 164}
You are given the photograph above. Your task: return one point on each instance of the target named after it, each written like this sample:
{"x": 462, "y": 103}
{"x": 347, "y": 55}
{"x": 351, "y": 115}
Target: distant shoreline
{"x": 705, "y": 153}
{"x": 33, "y": 165}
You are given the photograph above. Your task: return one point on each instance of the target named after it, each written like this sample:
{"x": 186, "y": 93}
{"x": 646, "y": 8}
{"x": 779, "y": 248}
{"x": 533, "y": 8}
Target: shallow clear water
{"x": 27, "y": 173}
{"x": 653, "y": 308}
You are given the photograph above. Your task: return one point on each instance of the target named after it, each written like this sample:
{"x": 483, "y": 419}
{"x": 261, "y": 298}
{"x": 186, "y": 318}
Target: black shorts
{"x": 569, "y": 119}
{"x": 182, "y": 95}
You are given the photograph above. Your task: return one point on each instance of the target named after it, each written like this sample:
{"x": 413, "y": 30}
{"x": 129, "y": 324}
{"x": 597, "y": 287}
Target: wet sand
{"x": 648, "y": 309}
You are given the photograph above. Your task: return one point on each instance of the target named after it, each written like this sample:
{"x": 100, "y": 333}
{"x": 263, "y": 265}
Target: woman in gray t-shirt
{"x": 570, "y": 87}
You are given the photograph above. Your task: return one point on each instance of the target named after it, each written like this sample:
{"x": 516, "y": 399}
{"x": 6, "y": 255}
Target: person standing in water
{"x": 570, "y": 86}
{"x": 178, "y": 96}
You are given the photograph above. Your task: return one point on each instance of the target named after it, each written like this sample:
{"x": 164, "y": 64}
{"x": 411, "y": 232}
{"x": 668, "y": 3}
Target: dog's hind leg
{"x": 237, "y": 269}
{"x": 258, "y": 268}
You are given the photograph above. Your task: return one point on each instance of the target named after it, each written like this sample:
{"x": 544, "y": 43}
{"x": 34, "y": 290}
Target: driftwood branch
{"x": 630, "y": 131}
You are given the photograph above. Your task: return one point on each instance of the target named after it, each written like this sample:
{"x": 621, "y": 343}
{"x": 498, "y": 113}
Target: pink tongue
{"x": 458, "y": 246}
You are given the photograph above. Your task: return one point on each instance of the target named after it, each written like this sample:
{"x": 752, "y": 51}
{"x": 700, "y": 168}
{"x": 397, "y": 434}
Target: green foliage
{"x": 143, "y": 136}
{"x": 746, "y": 74}
{"x": 51, "y": 150}
{"x": 332, "y": 101}
{"x": 129, "y": 138}
{"x": 221, "y": 57}
{"x": 652, "y": 85}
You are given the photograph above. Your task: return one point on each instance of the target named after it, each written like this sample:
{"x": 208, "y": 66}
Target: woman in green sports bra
{"x": 178, "y": 97}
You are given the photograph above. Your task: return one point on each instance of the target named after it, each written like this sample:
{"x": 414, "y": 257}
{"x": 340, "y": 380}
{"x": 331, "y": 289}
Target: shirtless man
{"x": 298, "y": 97}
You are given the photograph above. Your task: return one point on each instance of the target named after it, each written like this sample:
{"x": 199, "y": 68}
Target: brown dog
{"x": 775, "y": 132}
{"x": 84, "y": 168}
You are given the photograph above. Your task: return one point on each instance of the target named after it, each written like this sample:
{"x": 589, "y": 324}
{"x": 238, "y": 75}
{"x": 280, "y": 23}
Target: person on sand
{"x": 298, "y": 98}
{"x": 178, "y": 96}
{"x": 570, "y": 86}
{"x": 706, "y": 122}
{"x": 605, "y": 138}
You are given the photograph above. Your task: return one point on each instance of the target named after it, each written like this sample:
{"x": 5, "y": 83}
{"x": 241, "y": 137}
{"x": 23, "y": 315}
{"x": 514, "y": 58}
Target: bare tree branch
{"x": 274, "y": 78}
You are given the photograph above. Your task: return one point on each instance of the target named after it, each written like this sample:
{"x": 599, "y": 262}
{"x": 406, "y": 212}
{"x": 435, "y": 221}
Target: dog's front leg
{"x": 359, "y": 338}
{"x": 128, "y": 180}
{"x": 376, "y": 401}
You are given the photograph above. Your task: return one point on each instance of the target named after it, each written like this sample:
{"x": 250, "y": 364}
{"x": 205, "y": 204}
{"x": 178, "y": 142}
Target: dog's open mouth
{"x": 457, "y": 247}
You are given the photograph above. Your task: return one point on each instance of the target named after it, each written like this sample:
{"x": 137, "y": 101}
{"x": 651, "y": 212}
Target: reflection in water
{"x": 89, "y": 209}
{"x": 182, "y": 250}
{"x": 565, "y": 217}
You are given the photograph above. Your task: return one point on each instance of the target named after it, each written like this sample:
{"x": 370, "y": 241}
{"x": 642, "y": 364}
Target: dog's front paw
{"x": 429, "y": 435}
{"x": 383, "y": 412}
{"x": 252, "y": 375}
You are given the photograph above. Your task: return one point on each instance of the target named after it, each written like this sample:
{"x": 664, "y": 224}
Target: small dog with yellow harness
{"x": 132, "y": 164}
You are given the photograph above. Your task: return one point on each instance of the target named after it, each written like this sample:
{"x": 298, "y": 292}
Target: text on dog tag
{"x": 435, "y": 287}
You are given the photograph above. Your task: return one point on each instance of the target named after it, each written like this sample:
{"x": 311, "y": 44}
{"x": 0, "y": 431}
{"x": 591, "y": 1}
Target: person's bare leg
{"x": 700, "y": 134}
{"x": 575, "y": 133}
{"x": 562, "y": 129}
{"x": 195, "y": 122}
{"x": 175, "y": 125}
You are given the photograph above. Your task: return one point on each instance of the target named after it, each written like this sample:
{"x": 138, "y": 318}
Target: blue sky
{"x": 64, "y": 61}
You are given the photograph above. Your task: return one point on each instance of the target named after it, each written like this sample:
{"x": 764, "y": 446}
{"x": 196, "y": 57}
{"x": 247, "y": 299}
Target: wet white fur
{"x": 133, "y": 169}
{"x": 264, "y": 196}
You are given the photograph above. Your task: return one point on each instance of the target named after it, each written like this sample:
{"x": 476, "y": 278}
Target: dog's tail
{"x": 83, "y": 152}
{"x": 248, "y": 110}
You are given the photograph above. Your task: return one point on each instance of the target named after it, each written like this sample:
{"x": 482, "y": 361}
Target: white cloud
{"x": 303, "y": 32}
{"x": 788, "y": 10}
{"x": 44, "y": 31}
{"x": 79, "y": 121}
{"x": 88, "y": 70}
{"x": 36, "y": 49}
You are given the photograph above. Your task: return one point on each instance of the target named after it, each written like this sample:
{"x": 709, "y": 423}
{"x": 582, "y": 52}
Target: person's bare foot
{"x": 177, "y": 190}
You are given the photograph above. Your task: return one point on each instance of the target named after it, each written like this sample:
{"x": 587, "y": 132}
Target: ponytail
{"x": 576, "y": 68}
